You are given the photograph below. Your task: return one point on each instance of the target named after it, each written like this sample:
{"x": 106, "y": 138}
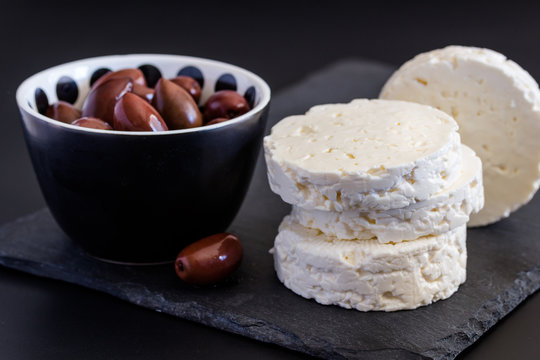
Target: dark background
{"x": 282, "y": 42}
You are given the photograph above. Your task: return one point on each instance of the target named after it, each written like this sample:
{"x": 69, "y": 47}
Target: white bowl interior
{"x": 169, "y": 65}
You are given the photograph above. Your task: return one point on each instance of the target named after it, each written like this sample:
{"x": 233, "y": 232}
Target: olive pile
{"x": 122, "y": 100}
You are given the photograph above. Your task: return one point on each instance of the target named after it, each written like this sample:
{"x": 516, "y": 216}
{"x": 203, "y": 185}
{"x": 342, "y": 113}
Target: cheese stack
{"x": 381, "y": 193}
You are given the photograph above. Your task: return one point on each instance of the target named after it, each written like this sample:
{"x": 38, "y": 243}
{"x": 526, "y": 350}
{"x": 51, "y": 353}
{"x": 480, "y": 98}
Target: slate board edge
{"x": 244, "y": 326}
{"x": 526, "y": 284}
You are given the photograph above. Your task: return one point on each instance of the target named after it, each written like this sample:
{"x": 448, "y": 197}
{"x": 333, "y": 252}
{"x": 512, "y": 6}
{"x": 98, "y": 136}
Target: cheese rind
{"x": 497, "y": 106}
{"x": 366, "y": 275}
{"x": 370, "y": 154}
{"x": 440, "y": 213}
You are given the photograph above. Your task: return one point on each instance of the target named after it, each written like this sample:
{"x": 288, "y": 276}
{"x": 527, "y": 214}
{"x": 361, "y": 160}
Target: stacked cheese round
{"x": 381, "y": 193}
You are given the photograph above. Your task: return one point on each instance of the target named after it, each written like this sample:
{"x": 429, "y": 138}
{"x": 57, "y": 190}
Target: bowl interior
{"x": 71, "y": 82}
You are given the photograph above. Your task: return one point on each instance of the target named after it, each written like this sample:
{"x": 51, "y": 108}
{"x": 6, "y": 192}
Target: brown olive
{"x": 63, "y": 111}
{"x": 143, "y": 91}
{"x": 176, "y": 106}
{"x": 102, "y": 99}
{"x": 190, "y": 85}
{"x": 225, "y": 104}
{"x": 132, "y": 113}
{"x": 92, "y": 123}
{"x": 136, "y": 76}
{"x": 209, "y": 260}
{"x": 216, "y": 121}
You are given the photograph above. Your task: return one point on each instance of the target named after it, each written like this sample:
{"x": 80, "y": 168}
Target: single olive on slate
{"x": 136, "y": 76}
{"x": 177, "y": 107}
{"x": 209, "y": 260}
{"x": 190, "y": 85}
{"x": 102, "y": 99}
{"x": 143, "y": 91}
{"x": 225, "y": 104}
{"x": 132, "y": 113}
{"x": 216, "y": 121}
{"x": 63, "y": 111}
{"x": 92, "y": 123}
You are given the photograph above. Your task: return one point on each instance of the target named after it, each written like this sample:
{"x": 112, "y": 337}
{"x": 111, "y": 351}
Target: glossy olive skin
{"x": 216, "y": 121}
{"x": 177, "y": 107}
{"x": 209, "y": 260}
{"x": 190, "y": 85}
{"x": 225, "y": 104}
{"x": 136, "y": 76}
{"x": 143, "y": 91}
{"x": 132, "y": 113}
{"x": 92, "y": 123}
{"x": 101, "y": 100}
{"x": 63, "y": 111}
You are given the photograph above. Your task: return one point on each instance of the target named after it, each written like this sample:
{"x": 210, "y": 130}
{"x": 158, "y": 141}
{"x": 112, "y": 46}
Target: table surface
{"x": 41, "y": 318}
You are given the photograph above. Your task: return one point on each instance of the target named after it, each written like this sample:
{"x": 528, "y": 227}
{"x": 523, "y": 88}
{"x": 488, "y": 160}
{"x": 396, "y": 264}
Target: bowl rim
{"x": 146, "y": 57}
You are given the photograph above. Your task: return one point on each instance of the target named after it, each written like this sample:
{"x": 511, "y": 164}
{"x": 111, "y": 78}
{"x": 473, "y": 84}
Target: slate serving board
{"x": 503, "y": 266}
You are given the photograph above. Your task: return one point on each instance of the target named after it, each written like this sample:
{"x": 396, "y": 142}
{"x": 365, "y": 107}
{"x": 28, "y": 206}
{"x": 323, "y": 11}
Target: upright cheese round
{"x": 440, "y": 213}
{"x": 369, "y": 154}
{"x": 497, "y": 106}
{"x": 366, "y": 275}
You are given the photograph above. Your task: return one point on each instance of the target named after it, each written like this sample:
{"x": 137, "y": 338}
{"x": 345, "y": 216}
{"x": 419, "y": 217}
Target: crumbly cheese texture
{"x": 440, "y": 213}
{"x": 370, "y": 154}
{"x": 497, "y": 106}
{"x": 366, "y": 275}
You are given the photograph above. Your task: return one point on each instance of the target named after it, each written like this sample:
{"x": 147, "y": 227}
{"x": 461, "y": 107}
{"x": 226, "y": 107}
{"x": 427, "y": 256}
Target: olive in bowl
{"x": 142, "y": 196}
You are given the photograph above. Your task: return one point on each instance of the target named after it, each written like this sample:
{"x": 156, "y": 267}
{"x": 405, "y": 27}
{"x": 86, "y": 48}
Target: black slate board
{"x": 503, "y": 267}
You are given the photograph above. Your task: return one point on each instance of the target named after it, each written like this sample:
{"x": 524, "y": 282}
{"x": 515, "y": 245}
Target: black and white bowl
{"x": 141, "y": 197}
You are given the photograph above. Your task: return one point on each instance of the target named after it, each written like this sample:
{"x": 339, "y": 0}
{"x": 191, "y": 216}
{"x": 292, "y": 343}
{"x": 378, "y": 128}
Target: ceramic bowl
{"x": 140, "y": 197}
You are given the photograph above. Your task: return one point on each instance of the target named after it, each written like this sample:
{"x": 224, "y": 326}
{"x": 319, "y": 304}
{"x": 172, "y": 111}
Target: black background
{"x": 282, "y": 42}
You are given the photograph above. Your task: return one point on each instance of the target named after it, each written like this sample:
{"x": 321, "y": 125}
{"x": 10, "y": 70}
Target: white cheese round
{"x": 497, "y": 106}
{"x": 440, "y": 213}
{"x": 369, "y": 154}
{"x": 366, "y": 275}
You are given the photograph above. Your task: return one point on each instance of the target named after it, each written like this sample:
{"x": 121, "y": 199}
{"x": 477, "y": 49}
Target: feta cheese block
{"x": 370, "y": 154}
{"x": 497, "y": 106}
{"x": 366, "y": 275}
{"x": 440, "y": 213}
